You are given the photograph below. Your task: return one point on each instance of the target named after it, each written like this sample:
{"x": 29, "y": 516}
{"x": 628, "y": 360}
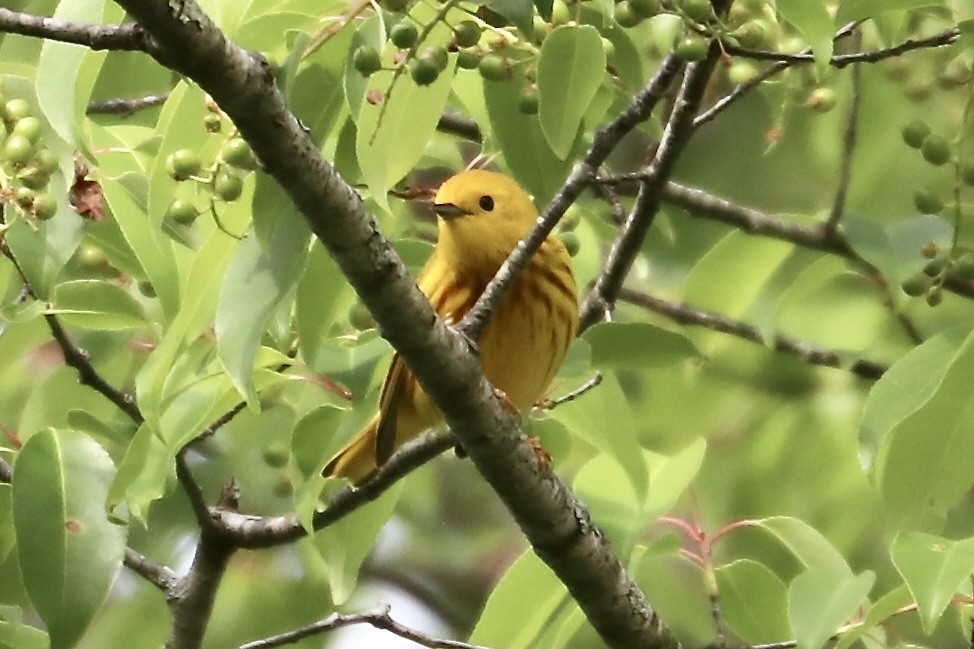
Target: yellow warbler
{"x": 481, "y": 217}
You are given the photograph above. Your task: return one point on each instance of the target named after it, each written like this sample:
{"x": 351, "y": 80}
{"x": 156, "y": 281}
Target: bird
{"x": 481, "y": 217}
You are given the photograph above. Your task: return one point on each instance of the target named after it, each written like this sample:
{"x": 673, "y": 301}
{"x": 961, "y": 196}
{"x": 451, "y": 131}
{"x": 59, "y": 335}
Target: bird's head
{"x": 481, "y": 217}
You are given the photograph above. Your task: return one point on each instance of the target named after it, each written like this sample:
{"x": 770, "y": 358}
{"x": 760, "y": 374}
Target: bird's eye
{"x": 486, "y": 203}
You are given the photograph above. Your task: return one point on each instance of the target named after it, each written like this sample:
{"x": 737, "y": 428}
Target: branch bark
{"x": 97, "y": 37}
{"x": 557, "y": 525}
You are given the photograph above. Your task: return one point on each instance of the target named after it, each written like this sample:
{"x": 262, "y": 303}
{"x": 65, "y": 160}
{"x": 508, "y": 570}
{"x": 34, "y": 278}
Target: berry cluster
{"x": 25, "y": 164}
{"x": 222, "y": 178}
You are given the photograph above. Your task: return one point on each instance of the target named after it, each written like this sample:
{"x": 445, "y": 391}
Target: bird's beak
{"x": 448, "y": 210}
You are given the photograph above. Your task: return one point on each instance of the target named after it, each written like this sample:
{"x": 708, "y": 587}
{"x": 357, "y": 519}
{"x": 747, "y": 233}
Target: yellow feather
{"x": 483, "y": 215}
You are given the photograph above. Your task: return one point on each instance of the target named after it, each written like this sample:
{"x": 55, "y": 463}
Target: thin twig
{"x": 775, "y": 68}
{"x": 848, "y": 147}
{"x": 676, "y": 134}
{"x": 550, "y": 404}
{"x": 193, "y": 491}
{"x": 454, "y": 124}
{"x": 125, "y": 106}
{"x": 380, "y": 619}
{"x": 806, "y": 352}
{"x": 125, "y": 37}
{"x": 942, "y": 39}
{"x": 160, "y": 576}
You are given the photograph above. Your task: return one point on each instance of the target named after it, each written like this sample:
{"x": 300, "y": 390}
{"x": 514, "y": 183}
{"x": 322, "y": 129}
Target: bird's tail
{"x": 356, "y": 460}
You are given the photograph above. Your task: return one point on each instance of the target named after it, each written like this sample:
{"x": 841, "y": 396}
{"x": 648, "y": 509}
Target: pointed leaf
{"x": 811, "y": 18}
{"x": 94, "y": 304}
{"x": 805, "y": 543}
{"x": 69, "y": 552}
{"x": 935, "y": 569}
{"x": 636, "y": 345}
{"x": 820, "y": 602}
{"x": 753, "y": 601}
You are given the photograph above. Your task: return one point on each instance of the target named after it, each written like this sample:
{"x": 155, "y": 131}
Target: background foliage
{"x": 804, "y": 502}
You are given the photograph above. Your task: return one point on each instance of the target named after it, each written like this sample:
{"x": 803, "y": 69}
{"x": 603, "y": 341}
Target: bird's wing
{"x": 389, "y": 399}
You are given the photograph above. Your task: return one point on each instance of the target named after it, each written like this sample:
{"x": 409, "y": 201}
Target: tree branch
{"x": 942, "y": 39}
{"x": 806, "y": 352}
{"x": 380, "y": 619}
{"x": 126, "y": 37}
{"x": 191, "y": 598}
{"x": 125, "y": 106}
{"x": 848, "y": 148}
{"x": 675, "y": 136}
{"x": 160, "y": 576}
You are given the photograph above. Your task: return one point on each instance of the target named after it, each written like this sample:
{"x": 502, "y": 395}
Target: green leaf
{"x": 526, "y": 151}
{"x": 69, "y": 551}
{"x": 61, "y": 88}
{"x": 753, "y": 601}
{"x": 93, "y": 304}
{"x": 921, "y": 465}
{"x": 389, "y": 149}
{"x": 806, "y": 544}
{"x": 634, "y": 345}
{"x": 935, "y": 569}
{"x": 257, "y": 279}
{"x": 506, "y": 621}
{"x": 153, "y": 250}
{"x": 322, "y": 297}
{"x": 851, "y": 10}
{"x": 142, "y": 476}
{"x": 43, "y": 250}
{"x": 6, "y": 523}
{"x": 812, "y": 20}
{"x": 677, "y": 591}
{"x": 21, "y": 636}
{"x": 819, "y": 602}
{"x": 885, "y": 607}
{"x": 347, "y": 542}
{"x": 603, "y": 418}
{"x": 571, "y": 67}
{"x": 519, "y": 12}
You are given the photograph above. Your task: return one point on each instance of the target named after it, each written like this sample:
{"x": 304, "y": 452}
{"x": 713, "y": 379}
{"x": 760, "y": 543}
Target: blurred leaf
{"x": 806, "y": 544}
{"x": 851, "y": 10}
{"x": 885, "y": 607}
{"x": 571, "y": 67}
{"x": 93, "y": 304}
{"x": 43, "y": 250}
{"x": 257, "y": 279}
{"x": 142, "y": 475}
{"x": 921, "y": 466}
{"x": 351, "y": 362}
{"x": 603, "y": 418}
{"x": 633, "y": 345}
{"x": 812, "y": 19}
{"x": 819, "y": 602}
{"x": 518, "y": 12}
{"x": 389, "y": 149}
{"x": 676, "y": 590}
{"x": 753, "y": 601}
{"x": 6, "y": 523}
{"x": 935, "y": 569}
{"x": 506, "y": 621}
{"x": 20, "y": 636}
{"x": 347, "y": 542}
{"x": 69, "y": 551}
{"x": 322, "y": 296}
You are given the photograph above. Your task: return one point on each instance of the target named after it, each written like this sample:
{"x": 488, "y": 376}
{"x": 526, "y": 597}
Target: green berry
{"x": 182, "y": 164}
{"x": 33, "y": 176}
{"x": 24, "y": 197}
{"x": 753, "y": 34}
{"x": 692, "y": 48}
{"x": 540, "y": 28}
{"x": 404, "y": 35}
{"x": 930, "y": 250}
{"x": 609, "y": 48}
{"x": 469, "y": 59}
{"x": 146, "y": 288}
{"x": 821, "y": 100}
{"x": 283, "y": 487}
{"x": 741, "y": 72}
{"x": 559, "y": 13}
{"x": 424, "y": 71}
{"x": 45, "y": 207}
{"x": 237, "y": 152}
{"x": 182, "y": 212}
{"x": 466, "y": 33}
{"x": 228, "y": 185}
{"x": 15, "y": 110}
{"x": 91, "y": 257}
{"x": 967, "y": 173}
{"x": 916, "y": 285}
{"x": 935, "y": 149}
{"x": 935, "y": 267}
{"x": 17, "y": 150}
{"x": 934, "y": 296}
{"x": 528, "y": 100}
{"x": 438, "y": 55}
{"x": 626, "y": 16}
{"x": 915, "y": 133}
{"x": 927, "y": 201}
{"x": 29, "y": 127}
{"x": 644, "y": 8}
{"x": 571, "y": 241}
{"x": 212, "y": 123}
{"x": 276, "y": 455}
{"x": 366, "y": 60}
{"x": 493, "y": 67}
{"x": 46, "y": 161}
{"x": 697, "y": 10}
